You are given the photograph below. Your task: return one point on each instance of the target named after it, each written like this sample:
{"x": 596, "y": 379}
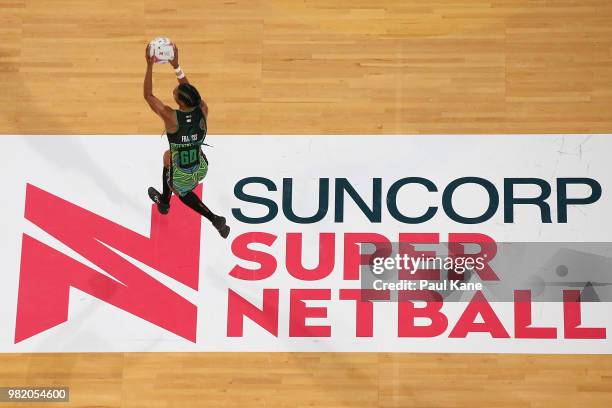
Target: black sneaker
{"x": 221, "y": 226}
{"x": 157, "y": 199}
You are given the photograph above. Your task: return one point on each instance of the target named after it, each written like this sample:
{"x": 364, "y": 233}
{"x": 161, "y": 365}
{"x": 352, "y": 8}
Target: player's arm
{"x": 157, "y": 106}
{"x": 204, "y": 107}
{"x": 182, "y": 78}
{"x": 180, "y": 75}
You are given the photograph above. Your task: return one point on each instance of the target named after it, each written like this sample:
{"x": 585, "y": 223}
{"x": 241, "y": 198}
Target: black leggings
{"x": 190, "y": 199}
{"x": 193, "y": 201}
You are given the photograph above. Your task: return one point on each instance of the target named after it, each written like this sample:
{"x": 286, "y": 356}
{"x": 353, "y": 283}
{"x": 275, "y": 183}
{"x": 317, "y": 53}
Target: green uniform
{"x": 189, "y": 164}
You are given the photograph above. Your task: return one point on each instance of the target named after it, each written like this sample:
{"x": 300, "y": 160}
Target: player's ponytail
{"x": 189, "y": 95}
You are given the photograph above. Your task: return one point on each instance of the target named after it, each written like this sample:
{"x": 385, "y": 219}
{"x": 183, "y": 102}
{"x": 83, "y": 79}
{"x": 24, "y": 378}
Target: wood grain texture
{"x": 292, "y": 380}
{"x": 314, "y": 67}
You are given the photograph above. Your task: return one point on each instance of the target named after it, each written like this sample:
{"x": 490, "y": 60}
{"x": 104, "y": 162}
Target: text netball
{"x": 333, "y": 288}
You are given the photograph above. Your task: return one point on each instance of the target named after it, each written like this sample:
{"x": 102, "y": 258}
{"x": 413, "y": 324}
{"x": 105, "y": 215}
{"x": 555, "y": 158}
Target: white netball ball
{"x": 161, "y": 49}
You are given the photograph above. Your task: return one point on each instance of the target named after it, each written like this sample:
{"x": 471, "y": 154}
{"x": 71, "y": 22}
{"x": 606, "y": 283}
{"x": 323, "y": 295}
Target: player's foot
{"x": 221, "y": 226}
{"x": 155, "y": 195}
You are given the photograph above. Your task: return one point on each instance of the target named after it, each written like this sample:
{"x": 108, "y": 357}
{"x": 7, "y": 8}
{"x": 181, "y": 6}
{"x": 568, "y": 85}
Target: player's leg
{"x": 192, "y": 201}
{"x": 163, "y": 199}
{"x": 185, "y": 184}
{"x": 166, "y": 179}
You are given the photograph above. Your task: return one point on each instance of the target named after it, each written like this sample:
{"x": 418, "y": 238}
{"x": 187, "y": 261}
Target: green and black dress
{"x": 189, "y": 164}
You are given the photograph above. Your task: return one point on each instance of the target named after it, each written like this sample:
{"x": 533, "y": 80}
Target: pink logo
{"x": 46, "y": 274}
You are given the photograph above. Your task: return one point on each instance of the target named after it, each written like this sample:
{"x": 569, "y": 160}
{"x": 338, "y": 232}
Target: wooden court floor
{"x": 314, "y": 67}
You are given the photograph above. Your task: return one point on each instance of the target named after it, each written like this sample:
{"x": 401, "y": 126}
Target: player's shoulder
{"x": 168, "y": 112}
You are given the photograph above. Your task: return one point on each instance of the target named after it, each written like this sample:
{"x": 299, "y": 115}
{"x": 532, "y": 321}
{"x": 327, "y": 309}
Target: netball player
{"x": 185, "y": 165}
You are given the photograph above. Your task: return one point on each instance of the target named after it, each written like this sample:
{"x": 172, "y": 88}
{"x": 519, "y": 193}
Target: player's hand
{"x": 174, "y": 62}
{"x": 150, "y": 59}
